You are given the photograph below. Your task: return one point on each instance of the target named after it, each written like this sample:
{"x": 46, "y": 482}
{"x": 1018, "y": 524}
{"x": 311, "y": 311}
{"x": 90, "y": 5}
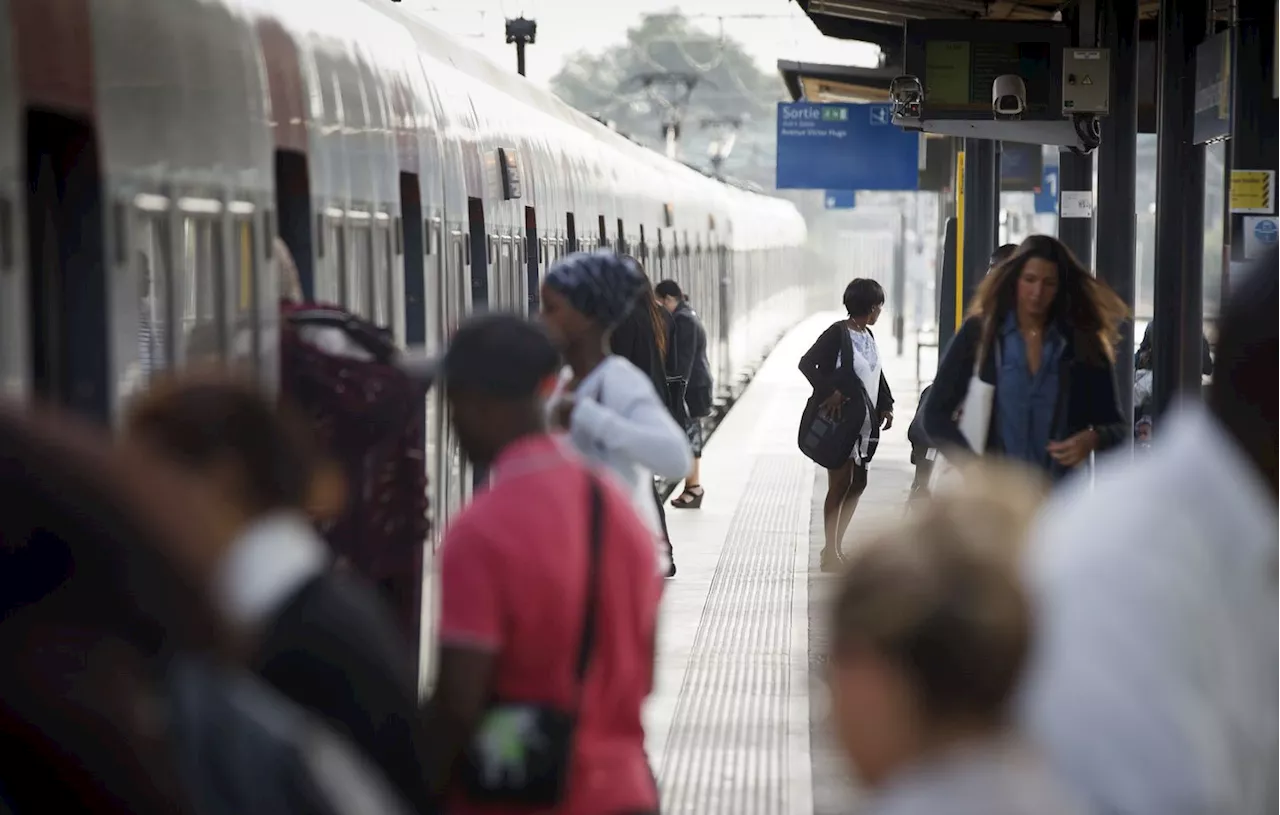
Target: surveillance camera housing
{"x": 906, "y": 95}
{"x": 1008, "y": 97}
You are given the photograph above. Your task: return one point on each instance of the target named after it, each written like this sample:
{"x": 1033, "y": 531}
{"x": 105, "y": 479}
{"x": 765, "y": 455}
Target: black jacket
{"x": 334, "y": 649}
{"x": 687, "y": 351}
{"x": 819, "y": 367}
{"x": 1206, "y": 356}
{"x": 634, "y": 340}
{"x": 1086, "y": 392}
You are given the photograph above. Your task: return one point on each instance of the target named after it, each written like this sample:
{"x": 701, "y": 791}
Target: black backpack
{"x": 245, "y": 750}
{"x": 826, "y": 441}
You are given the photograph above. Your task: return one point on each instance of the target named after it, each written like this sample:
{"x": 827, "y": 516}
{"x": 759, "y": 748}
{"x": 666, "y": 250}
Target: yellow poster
{"x": 959, "y": 239}
{"x": 1253, "y": 192}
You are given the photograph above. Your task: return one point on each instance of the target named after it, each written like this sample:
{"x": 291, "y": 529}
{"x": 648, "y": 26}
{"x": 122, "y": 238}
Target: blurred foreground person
{"x": 930, "y": 632}
{"x": 1155, "y": 686}
{"x": 549, "y": 604}
{"x": 606, "y": 404}
{"x": 120, "y": 692}
{"x": 322, "y": 638}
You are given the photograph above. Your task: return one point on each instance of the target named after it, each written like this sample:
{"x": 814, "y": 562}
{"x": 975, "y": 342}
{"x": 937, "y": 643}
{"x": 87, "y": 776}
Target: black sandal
{"x": 689, "y": 499}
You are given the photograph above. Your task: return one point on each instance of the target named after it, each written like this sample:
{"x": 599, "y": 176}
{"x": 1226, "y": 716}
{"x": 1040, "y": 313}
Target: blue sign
{"x": 1047, "y": 195}
{"x": 1265, "y": 231}
{"x": 844, "y": 147}
{"x": 841, "y": 199}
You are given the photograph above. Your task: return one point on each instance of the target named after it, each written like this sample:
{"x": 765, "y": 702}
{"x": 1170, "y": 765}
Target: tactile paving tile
{"x": 726, "y": 753}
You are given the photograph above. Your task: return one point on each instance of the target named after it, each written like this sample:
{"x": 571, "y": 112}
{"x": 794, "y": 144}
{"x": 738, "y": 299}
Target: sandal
{"x": 689, "y": 499}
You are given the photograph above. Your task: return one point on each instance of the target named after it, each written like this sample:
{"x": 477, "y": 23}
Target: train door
{"x": 571, "y": 232}
{"x": 412, "y": 235}
{"x": 479, "y": 255}
{"x": 293, "y": 214}
{"x": 67, "y": 261}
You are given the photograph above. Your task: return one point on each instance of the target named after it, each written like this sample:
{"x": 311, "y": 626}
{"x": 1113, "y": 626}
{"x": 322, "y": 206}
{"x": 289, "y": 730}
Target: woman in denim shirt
{"x": 1045, "y": 330}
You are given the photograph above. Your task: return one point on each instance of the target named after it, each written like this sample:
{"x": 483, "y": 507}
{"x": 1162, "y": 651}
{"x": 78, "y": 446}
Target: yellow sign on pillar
{"x": 959, "y": 239}
{"x": 1253, "y": 192}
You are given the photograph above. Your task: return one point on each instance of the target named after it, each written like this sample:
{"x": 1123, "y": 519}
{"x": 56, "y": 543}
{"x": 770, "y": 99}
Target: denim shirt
{"x": 1026, "y": 402}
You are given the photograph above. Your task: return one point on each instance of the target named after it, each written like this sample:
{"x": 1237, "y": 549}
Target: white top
{"x": 996, "y": 777}
{"x": 620, "y": 423}
{"x": 1154, "y": 690}
{"x": 267, "y": 564}
{"x": 866, "y": 366}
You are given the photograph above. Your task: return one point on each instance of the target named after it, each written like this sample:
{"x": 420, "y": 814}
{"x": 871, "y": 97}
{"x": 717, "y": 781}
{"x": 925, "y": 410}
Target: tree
{"x": 613, "y": 86}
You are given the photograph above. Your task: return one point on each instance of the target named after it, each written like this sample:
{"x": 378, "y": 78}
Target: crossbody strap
{"x": 595, "y": 546}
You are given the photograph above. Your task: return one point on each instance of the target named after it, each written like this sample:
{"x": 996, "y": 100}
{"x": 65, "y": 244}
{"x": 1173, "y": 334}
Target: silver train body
{"x": 150, "y": 150}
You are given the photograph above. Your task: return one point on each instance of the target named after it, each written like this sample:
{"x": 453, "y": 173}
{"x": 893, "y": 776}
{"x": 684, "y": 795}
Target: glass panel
{"x": 329, "y": 269}
{"x": 1215, "y": 191}
{"x": 380, "y": 277}
{"x": 244, "y": 340}
{"x": 359, "y": 295}
{"x": 153, "y": 280}
{"x": 201, "y": 254}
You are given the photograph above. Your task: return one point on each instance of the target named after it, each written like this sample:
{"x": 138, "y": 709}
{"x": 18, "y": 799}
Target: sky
{"x": 768, "y": 29}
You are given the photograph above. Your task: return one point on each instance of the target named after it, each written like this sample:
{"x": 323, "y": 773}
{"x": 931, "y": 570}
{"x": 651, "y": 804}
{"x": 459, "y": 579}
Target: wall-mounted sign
{"x": 1253, "y": 192}
{"x": 844, "y": 147}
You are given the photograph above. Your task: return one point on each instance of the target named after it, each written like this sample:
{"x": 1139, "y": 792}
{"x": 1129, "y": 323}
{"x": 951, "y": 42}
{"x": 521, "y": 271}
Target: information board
{"x": 1047, "y": 194}
{"x": 844, "y": 147}
{"x": 1260, "y": 235}
{"x": 1020, "y": 167}
{"x": 840, "y": 199}
{"x": 1253, "y": 192}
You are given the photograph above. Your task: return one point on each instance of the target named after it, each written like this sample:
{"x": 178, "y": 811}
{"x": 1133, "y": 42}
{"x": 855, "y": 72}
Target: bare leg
{"x": 857, "y": 486}
{"x": 839, "y": 482}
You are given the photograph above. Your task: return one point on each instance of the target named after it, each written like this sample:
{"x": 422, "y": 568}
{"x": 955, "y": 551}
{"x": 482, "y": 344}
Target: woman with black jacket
{"x": 861, "y": 388}
{"x": 1045, "y": 332}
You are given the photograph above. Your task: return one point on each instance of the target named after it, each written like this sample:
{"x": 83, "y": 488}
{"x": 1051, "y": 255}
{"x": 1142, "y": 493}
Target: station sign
{"x": 844, "y": 147}
{"x": 840, "y": 199}
{"x": 1047, "y": 196}
{"x": 1253, "y": 192}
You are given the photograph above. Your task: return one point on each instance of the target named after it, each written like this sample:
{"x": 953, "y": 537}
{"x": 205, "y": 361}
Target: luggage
{"x": 341, "y": 372}
{"x": 828, "y": 441}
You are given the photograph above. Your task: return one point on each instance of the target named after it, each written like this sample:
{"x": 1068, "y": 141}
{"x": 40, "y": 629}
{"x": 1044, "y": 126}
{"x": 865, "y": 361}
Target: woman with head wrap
{"x": 608, "y": 406}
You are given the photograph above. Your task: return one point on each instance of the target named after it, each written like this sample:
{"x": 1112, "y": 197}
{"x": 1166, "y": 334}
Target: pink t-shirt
{"x": 513, "y": 579}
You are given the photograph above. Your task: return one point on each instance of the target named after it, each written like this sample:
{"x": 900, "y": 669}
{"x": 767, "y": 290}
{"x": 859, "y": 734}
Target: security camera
{"x": 1008, "y": 96}
{"x": 906, "y": 94}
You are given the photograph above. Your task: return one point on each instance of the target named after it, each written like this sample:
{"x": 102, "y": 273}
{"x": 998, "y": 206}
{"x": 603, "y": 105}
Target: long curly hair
{"x": 649, "y": 302}
{"x": 1085, "y": 309}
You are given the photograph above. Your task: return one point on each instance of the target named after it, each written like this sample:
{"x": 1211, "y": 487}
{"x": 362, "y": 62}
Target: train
{"x": 152, "y": 151}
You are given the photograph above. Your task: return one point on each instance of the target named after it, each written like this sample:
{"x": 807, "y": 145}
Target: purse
{"x": 522, "y": 753}
{"x": 974, "y": 422}
{"x": 827, "y": 441}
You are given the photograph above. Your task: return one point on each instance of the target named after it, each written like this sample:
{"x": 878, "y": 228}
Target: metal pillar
{"x": 1075, "y": 204}
{"x": 1179, "y": 281}
{"x": 1117, "y": 159}
{"x": 900, "y": 284}
{"x": 981, "y": 211}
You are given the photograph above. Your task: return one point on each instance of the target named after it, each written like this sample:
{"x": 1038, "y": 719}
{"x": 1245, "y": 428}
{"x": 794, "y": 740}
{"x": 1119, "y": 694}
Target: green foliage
{"x": 609, "y": 85}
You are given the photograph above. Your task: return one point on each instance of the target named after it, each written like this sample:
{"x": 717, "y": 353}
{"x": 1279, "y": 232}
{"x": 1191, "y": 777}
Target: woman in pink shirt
{"x": 546, "y": 629}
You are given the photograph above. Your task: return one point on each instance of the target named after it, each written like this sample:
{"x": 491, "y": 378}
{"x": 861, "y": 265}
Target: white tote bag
{"x": 974, "y": 422}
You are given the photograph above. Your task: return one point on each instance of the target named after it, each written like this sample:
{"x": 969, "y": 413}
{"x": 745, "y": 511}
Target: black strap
{"x": 595, "y": 545}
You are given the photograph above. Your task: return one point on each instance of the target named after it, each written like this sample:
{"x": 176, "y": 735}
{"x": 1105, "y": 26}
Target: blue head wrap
{"x": 602, "y": 285}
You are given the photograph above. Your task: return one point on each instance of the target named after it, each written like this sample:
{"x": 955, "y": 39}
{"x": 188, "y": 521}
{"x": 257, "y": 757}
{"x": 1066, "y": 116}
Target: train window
{"x": 359, "y": 278}
{"x": 152, "y": 271}
{"x": 328, "y": 280}
{"x": 240, "y": 290}
{"x": 202, "y": 331}
{"x": 380, "y": 275}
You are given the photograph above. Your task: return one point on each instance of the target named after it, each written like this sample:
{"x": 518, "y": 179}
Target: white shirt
{"x": 866, "y": 366}
{"x": 267, "y": 564}
{"x": 1154, "y": 688}
{"x": 619, "y": 422}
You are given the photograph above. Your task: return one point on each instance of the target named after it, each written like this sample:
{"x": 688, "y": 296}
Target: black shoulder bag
{"x": 828, "y": 441}
{"x": 522, "y": 752}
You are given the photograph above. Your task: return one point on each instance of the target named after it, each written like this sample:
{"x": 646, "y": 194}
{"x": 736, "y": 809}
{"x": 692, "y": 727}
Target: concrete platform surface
{"x": 734, "y": 725}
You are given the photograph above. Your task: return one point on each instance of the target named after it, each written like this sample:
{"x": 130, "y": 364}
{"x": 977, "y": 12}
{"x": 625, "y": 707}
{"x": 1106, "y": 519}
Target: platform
{"x": 734, "y": 725}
